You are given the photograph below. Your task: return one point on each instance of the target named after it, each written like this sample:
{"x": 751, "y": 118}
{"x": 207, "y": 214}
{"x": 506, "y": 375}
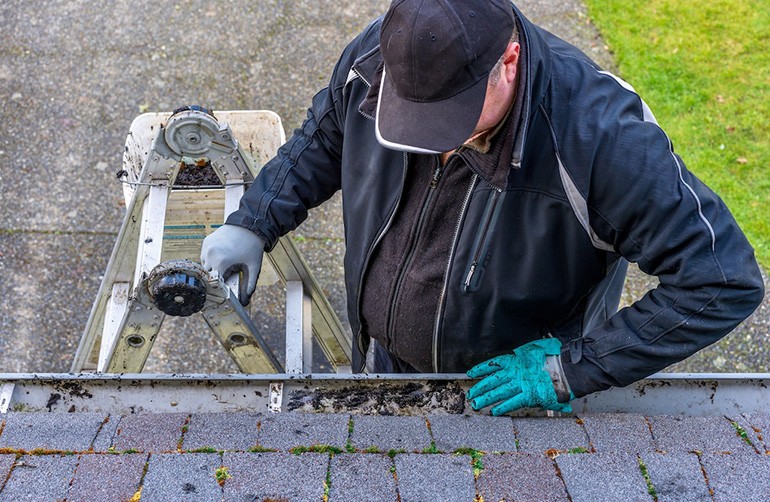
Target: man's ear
{"x": 510, "y": 61}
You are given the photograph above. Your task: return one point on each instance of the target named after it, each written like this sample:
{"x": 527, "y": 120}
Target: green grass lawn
{"x": 704, "y": 69}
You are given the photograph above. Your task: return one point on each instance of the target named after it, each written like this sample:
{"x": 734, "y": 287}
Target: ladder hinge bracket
{"x": 276, "y": 397}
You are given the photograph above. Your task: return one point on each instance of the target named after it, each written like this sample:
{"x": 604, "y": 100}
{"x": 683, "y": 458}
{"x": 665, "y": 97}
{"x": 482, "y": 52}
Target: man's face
{"x": 500, "y": 92}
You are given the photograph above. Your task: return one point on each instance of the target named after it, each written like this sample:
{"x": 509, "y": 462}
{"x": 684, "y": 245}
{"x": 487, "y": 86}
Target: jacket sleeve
{"x": 645, "y": 204}
{"x": 307, "y": 169}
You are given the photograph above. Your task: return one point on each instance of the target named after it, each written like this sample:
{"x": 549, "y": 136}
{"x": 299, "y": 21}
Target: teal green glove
{"x": 518, "y": 380}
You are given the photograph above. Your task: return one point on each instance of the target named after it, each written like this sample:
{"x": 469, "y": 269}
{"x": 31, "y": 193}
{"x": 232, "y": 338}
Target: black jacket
{"x": 593, "y": 179}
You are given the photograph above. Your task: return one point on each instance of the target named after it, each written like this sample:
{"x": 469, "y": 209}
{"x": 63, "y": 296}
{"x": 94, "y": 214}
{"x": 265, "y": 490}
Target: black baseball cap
{"x": 438, "y": 55}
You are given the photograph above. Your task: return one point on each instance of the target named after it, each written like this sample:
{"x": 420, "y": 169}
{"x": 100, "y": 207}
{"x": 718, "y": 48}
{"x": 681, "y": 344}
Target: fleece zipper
{"x": 442, "y": 298}
{"x": 426, "y": 204}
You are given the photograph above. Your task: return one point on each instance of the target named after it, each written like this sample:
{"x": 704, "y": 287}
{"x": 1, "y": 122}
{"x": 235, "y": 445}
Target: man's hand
{"x": 518, "y": 380}
{"x": 230, "y": 250}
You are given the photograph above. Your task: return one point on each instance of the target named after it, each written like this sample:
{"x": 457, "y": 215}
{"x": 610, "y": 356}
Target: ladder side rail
{"x": 299, "y": 331}
{"x": 120, "y": 268}
{"x": 332, "y": 338}
{"x": 136, "y": 334}
{"x": 151, "y": 232}
{"x": 142, "y": 320}
{"x": 116, "y": 311}
{"x": 235, "y": 330}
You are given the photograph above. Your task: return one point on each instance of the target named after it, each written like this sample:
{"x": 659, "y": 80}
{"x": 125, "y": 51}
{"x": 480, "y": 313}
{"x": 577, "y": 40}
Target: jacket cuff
{"x": 584, "y": 377}
{"x": 558, "y": 379}
{"x": 270, "y": 238}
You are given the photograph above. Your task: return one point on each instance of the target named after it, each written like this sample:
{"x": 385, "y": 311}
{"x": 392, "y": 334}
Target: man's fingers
{"x": 515, "y": 403}
{"x": 489, "y": 367}
{"x": 486, "y": 385}
{"x": 522, "y": 401}
{"x": 248, "y": 284}
{"x": 501, "y": 393}
{"x": 244, "y": 295}
{"x": 562, "y": 408}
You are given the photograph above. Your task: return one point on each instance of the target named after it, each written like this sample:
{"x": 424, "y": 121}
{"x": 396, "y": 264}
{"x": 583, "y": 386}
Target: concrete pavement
{"x": 74, "y": 74}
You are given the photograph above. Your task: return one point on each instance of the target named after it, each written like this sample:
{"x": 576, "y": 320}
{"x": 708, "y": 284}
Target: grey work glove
{"x": 230, "y": 250}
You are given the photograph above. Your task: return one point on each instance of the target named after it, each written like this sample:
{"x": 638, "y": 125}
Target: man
{"x": 494, "y": 182}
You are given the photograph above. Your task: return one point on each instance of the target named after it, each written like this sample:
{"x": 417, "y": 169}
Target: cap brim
{"x": 427, "y": 127}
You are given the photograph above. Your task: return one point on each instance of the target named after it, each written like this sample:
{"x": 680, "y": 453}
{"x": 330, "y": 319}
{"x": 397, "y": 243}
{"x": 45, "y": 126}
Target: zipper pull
{"x": 469, "y": 277}
{"x": 436, "y": 174}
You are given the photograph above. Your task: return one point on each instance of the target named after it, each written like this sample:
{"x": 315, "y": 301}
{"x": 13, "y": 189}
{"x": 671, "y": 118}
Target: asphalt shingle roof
{"x": 310, "y": 456}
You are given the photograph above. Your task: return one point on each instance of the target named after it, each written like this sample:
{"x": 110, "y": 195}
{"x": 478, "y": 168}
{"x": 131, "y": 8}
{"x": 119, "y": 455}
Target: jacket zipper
{"x": 481, "y": 243}
{"x": 437, "y": 172}
{"x": 439, "y": 312}
{"x": 369, "y": 256}
{"x": 379, "y": 237}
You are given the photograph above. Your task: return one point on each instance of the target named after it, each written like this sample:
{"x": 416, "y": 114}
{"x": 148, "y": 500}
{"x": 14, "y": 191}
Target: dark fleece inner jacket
{"x": 594, "y": 179}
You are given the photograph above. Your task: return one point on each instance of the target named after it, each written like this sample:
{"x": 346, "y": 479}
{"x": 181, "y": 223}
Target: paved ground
{"x": 301, "y": 457}
{"x": 74, "y": 74}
